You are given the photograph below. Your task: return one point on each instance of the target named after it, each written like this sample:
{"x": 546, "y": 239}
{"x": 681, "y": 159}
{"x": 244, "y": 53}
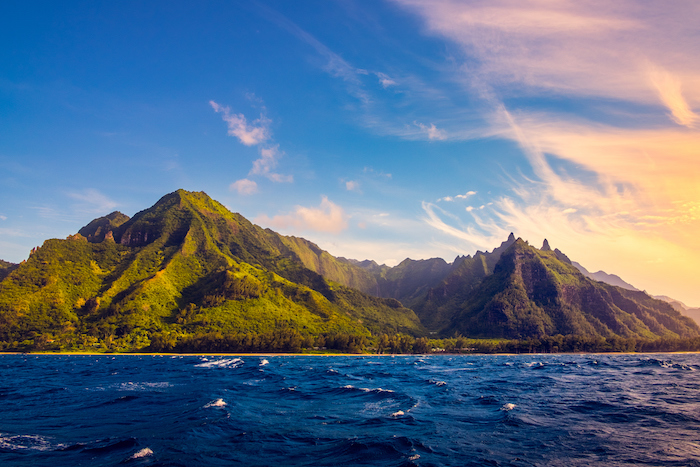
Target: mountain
{"x": 603, "y": 276}
{"x": 188, "y": 274}
{"x": 6, "y": 268}
{"x": 613, "y": 279}
{"x": 186, "y": 266}
{"x": 681, "y": 307}
{"x": 521, "y": 292}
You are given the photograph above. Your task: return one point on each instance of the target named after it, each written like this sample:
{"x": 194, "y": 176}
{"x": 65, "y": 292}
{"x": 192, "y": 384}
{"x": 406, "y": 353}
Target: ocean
{"x": 447, "y": 410}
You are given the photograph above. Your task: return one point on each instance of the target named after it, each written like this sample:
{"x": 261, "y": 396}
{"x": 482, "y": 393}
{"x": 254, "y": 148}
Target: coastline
{"x": 157, "y": 354}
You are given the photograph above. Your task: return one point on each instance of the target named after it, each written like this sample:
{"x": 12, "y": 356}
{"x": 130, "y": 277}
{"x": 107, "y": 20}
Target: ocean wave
{"x": 133, "y": 386}
{"x": 264, "y": 362}
{"x": 508, "y": 407}
{"x": 216, "y": 403}
{"x": 666, "y": 364}
{"x": 376, "y": 390}
{"x": 27, "y": 442}
{"x": 222, "y": 363}
{"x": 145, "y": 452}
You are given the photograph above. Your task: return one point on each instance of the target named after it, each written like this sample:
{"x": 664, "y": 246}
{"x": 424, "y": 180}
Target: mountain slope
{"x": 185, "y": 265}
{"x": 6, "y": 268}
{"x": 534, "y": 293}
{"x": 189, "y": 274}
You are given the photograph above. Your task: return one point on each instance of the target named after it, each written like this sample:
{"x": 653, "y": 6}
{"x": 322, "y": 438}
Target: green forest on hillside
{"x": 188, "y": 275}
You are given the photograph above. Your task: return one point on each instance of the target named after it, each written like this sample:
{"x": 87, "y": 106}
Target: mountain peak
{"x": 511, "y": 238}
{"x": 545, "y": 246}
{"x": 97, "y": 230}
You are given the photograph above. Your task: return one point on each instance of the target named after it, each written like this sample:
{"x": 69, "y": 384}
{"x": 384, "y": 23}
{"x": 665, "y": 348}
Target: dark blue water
{"x": 328, "y": 411}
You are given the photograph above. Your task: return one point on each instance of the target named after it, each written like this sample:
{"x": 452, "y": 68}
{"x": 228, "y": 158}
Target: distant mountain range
{"x": 189, "y": 270}
{"x": 613, "y": 279}
{"x": 602, "y": 276}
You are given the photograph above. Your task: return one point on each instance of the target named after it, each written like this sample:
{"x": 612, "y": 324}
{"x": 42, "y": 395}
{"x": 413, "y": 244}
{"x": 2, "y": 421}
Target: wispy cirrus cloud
{"x": 431, "y": 131}
{"x": 671, "y": 94}
{"x": 92, "y": 201}
{"x": 628, "y": 195}
{"x": 570, "y": 48}
{"x": 327, "y": 217}
{"x": 360, "y": 85}
{"x": 385, "y": 80}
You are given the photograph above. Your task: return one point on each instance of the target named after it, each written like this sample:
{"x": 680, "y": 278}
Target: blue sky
{"x": 377, "y": 129}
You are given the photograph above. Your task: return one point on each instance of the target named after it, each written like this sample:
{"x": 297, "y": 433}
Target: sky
{"x": 378, "y": 129}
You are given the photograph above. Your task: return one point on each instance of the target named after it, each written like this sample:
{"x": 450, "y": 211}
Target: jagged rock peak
{"x": 545, "y": 246}
{"x": 511, "y": 238}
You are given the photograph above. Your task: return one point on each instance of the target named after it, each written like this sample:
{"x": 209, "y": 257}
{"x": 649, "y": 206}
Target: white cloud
{"x": 249, "y": 135}
{"x": 670, "y": 92}
{"x": 328, "y": 217}
{"x": 629, "y": 192}
{"x": 456, "y": 197}
{"x": 432, "y": 131}
{"x": 267, "y": 162}
{"x": 352, "y": 185}
{"x": 3, "y": 218}
{"x": 571, "y": 48}
{"x": 385, "y": 81}
{"x": 244, "y": 187}
{"x": 252, "y": 136}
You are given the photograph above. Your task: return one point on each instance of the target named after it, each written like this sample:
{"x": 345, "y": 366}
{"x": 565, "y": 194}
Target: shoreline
{"x": 226, "y": 354}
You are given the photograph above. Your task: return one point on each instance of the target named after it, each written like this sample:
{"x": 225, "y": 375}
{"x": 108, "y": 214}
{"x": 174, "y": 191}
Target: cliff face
{"x": 532, "y": 293}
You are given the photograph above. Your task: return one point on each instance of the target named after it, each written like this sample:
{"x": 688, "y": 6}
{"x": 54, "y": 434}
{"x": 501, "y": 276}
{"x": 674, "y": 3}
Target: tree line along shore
{"x": 290, "y": 341}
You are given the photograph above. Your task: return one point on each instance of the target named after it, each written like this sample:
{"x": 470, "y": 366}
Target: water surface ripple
{"x": 526, "y": 410}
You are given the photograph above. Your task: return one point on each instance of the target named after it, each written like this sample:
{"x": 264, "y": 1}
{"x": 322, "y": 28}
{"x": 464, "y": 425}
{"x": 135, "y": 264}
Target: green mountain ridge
{"x": 188, "y": 274}
{"x": 185, "y": 266}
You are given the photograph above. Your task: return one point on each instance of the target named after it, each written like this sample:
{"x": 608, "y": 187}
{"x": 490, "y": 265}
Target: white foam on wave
{"x": 508, "y": 407}
{"x": 398, "y": 413}
{"x": 414, "y": 457}
{"x": 145, "y": 452}
{"x": 216, "y": 403}
{"x": 377, "y": 390}
{"x": 133, "y": 386}
{"x": 264, "y": 362}
{"x": 26, "y": 442}
{"x": 223, "y": 363}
